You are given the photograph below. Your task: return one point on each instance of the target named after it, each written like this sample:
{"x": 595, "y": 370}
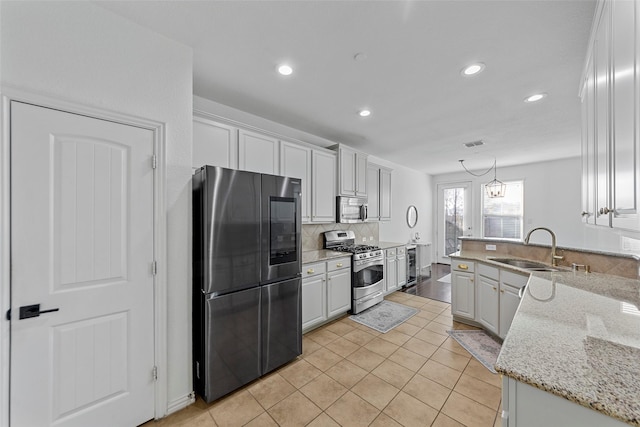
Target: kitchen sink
{"x": 525, "y": 264}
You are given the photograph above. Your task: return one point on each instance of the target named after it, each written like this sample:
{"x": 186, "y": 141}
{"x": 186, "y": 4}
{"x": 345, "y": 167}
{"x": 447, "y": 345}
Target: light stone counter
{"x": 321, "y": 255}
{"x": 389, "y": 245}
{"x": 577, "y": 335}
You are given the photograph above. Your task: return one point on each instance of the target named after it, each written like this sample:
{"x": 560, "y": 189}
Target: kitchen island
{"x": 575, "y": 335}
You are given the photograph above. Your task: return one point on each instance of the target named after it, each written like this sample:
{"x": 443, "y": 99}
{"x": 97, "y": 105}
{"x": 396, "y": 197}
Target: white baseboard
{"x": 181, "y": 403}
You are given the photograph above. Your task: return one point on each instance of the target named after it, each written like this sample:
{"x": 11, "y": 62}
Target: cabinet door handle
{"x": 310, "y": 271}
{"x": 605, "y": 211}
{"x": 494, "y": 288}
{"x": 502, "y": 291}
{"x": 471, "y": 280}
{"x": 463, "y": 266}
{"x": 339, "y": 265}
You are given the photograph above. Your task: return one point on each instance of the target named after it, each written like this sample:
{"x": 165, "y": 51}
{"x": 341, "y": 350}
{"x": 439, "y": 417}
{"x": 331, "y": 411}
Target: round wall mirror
{"x": 412, "y": 216}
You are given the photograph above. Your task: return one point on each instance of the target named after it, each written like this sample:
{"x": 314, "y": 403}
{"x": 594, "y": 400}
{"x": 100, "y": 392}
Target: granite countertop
{"x": 577, "y": 335}
{"x": 388, "y": 245}
{"x": 322, "y": 255}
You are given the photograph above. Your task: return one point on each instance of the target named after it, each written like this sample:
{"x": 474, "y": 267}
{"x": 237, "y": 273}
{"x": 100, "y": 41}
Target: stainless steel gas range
{"x": 367, "y": 265}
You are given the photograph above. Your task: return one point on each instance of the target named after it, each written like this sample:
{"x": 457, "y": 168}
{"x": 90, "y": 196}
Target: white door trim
{"x": 159, "y": 243}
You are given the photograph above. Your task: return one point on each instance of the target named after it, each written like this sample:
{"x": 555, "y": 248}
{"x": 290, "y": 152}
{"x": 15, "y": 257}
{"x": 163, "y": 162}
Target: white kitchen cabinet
{"x": 379, "y": 192}
{"x": 373, "y": 192}
{"x": 390, "y": 271}
{"x": 352, "y": 176}
{"x": 385, "y": 194}
{"x": 487, "y": 297}
{"x": 611, "y": 138}
{"x": 295, "y": 162}
{"x": 401, "y": 258}
{"x": 326, "y": 291}
{"x": 258, "y": 153}
{"x": 510, "y": 285}
{"x": 314, "y": 295}
{"x": 395, "y": 269}
{"x": 463, "y": 296}
{"x": 338, "y": 286}
{"x": 323, "y": 186}
{"x": 214, "y": 144}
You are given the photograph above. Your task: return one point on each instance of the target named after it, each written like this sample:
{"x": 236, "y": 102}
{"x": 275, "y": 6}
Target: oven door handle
{"x": 360, "y": 267}
{"x": 374, "y": 296}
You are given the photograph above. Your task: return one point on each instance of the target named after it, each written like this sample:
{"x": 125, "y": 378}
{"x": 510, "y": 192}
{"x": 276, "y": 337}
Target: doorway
{"x": 454, "y": 218}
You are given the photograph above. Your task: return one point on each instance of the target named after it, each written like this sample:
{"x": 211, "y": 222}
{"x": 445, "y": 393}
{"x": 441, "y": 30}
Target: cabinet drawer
{"x": 338, "y": 264}
{"x": 313, "y": 269}
{"x": 391, "y": 253}
{"x": 400, "y": 251}
{"x": 489, "y": 271}
{"x": 463, "y": 265}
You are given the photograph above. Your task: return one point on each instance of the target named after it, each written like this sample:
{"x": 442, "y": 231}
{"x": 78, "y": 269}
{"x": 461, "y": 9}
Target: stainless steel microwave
{"x": 351, "y": 209}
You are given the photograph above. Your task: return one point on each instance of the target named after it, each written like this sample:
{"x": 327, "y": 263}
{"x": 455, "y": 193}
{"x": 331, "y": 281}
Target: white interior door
{"x": 454, "y": 218}
{"x": 81, "y": 244}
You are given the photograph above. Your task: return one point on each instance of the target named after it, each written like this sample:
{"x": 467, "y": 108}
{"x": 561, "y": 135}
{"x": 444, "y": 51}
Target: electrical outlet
{"x": 490, "y": 247}
{"x": 371, "y": 238}
{"x": 364, "y": 239}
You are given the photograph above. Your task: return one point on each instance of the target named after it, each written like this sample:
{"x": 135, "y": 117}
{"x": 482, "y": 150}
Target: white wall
{"x": 408, "y": 187}
{"x": 81, "y": 53}
{"x": 552, "y": 198}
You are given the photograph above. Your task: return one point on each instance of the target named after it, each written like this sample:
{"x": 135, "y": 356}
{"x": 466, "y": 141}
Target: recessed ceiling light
{"x": 472, "y": 69}
{"x": 536, "y": 97}
{"x": 285, "y": 69}
{"x": 364, "y": 113}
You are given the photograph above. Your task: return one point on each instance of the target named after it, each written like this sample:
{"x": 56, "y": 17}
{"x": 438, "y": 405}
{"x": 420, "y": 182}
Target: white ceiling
{"x": 423, "y": 110}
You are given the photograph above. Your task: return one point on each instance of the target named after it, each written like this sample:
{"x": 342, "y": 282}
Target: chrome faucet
{"x": 554, "y": 257}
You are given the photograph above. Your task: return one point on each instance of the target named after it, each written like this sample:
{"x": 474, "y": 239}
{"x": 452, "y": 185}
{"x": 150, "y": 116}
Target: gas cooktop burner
{"x": 356, "y": 249}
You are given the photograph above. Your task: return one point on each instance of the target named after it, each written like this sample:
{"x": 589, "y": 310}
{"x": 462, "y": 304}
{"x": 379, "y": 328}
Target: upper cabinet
{"x": 352, "y": 177}
{"x": 214, "y": 144}
{"x": 317, "y": 168}
{"x": 323, "y": 186}
{"x": 258, "y": 153}
{"x": 379, "y": 192}
{"x": 295, "y": 161}
{"x": 610, "y": 110}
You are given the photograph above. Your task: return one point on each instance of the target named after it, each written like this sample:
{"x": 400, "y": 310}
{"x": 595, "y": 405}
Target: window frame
{"x": 483, "y": 196}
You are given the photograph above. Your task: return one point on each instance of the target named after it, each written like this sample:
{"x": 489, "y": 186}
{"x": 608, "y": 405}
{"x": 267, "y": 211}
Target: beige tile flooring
{"x": 351, "y": 375}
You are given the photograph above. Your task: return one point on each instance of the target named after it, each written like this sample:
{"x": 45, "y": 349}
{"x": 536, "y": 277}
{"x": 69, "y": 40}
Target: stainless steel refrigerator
{"x": 246, "y": 277}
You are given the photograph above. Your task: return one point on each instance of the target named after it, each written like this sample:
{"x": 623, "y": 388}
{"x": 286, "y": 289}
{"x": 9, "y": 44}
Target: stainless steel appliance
{"x": 412, "y": 265}
{"x": 351, "y": 209}
{"x": 367, "y": 266}
{"x": 246, "y": 277}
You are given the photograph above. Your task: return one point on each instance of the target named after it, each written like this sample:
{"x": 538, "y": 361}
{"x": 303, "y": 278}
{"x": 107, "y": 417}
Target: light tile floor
{"x": 351, "y": 375}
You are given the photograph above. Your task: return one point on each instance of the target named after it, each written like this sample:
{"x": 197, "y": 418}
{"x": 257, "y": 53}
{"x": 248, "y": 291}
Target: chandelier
{"x": 494, "y": 188}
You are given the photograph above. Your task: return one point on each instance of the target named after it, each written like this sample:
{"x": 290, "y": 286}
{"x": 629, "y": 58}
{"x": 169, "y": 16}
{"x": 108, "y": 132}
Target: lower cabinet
{"x": 395, "y": 269}
{"x": 490, "y": 301}
{"x": 463, "y": 292}
{"x": 338, "y": 287}
{"x": 488, "y": 297}
{"x": 326, "y": 291}
{"x": 510, "y": 285}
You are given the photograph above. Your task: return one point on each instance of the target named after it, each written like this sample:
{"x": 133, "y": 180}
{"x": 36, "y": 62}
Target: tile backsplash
{"x": 312, "y": 233}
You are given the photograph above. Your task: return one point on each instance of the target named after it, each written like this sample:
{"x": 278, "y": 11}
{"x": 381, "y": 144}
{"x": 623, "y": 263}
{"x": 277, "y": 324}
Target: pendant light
{"x": 494, "y": 188}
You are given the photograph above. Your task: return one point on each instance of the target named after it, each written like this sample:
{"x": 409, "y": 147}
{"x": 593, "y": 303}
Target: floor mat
{"x": 384, "y": 316}
{"x": 481, "y": 346}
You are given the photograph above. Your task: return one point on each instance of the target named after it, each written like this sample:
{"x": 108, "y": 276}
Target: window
{"x": 502, "y": 217}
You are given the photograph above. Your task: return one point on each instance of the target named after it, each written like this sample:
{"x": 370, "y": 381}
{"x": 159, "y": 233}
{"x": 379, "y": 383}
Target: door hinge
{"x": 154, "y": 373}
{"x": 154, "y": 268}
{"x": 154, "y": 161}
